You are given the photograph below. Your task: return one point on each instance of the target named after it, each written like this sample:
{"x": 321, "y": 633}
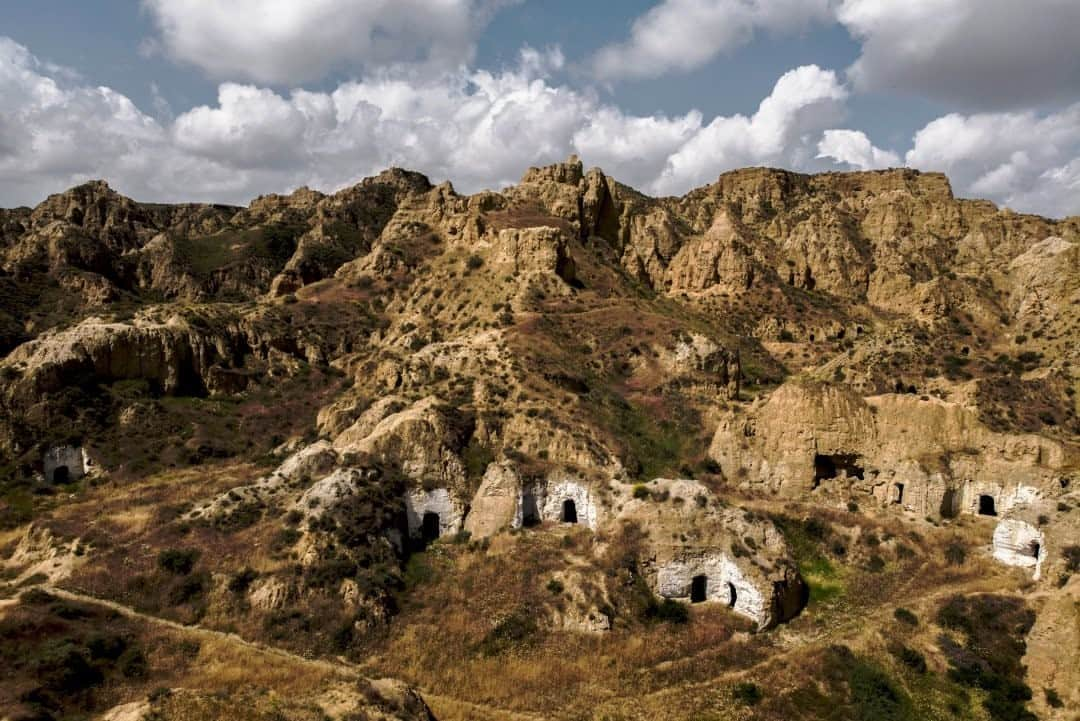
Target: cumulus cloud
{"x": 290, "y": 42}
{"x": 853, "y": 148}
{"x": 481, "y": 129}
{"x": 804, "y": 102}
{"x": 1025, "y": 160}
{"x": 680, "y": 35}
{"x": 985, "y": 54}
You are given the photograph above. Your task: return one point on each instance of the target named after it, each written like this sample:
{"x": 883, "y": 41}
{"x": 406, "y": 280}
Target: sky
{"x": 201, "y": 100}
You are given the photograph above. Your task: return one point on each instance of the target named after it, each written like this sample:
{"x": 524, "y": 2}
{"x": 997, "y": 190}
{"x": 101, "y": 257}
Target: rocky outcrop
{"x": 924, "y": 455}
{"x": 700, "y": 552}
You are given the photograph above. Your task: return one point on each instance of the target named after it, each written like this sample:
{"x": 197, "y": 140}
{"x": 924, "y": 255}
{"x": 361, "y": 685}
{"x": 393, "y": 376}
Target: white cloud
{"x": 803, "y": 103}
{"x": 680, "y": 35}
{"x": 481, "y": 129}
{"x": 853, "y": 148}
{"x": 979, "y": 53}
{"x": 1025, "y": 160}
{"x": 291, "y": 41}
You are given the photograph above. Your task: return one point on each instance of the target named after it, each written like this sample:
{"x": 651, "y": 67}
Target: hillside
{"x": 788, "y": 446}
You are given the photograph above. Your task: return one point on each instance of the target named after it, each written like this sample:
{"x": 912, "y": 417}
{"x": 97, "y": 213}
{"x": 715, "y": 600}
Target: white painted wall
{"x": 1013, "y": 541}
{"x": 673, "y": 580}
{"x": 438, "y": 500}
{"x": 71, "y": 456}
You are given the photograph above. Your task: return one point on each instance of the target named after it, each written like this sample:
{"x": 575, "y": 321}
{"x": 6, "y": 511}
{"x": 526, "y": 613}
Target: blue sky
{"x": 200, "y": 100}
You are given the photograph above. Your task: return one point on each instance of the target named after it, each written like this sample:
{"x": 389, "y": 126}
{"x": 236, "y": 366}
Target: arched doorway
{"x": 731, "y": 595}
{"x": 986, "y": 505}
{"x": 898, "y": 493}
{"x": 569, "y": 511}
{"x": 948, "y": 504}
{"x": 61, "y": 474}
{"x": 431, "y": 528}
{"x": 530, "y": 512}
{"x": 699, "y": 589}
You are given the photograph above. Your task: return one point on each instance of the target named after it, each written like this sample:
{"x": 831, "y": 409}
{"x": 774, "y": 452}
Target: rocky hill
{"x": 560, "y": 416}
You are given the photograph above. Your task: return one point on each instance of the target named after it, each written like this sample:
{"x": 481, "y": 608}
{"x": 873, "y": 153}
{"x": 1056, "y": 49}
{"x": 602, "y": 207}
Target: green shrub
{"x": 910, "y": 658}
{"x": 671, "y": 611}
{"x": 1053, "y": 700}
{"x": 955, "y": 554}
{"x": 747, "y": 693}
{"x": 178, "y": 560}
{"x": 1072, "y": 558}
{"x": 474, "y": 262}
{"x": 903, "y": 615}
{"x": 555, "y": 586}
{"x": 516, "y": 629}
{"x": 188, "y": 589}
{"x": 240, "y": 582}
{"x": 641, "y": 492}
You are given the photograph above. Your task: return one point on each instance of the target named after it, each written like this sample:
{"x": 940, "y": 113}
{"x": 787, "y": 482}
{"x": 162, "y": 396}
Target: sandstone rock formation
{"x": 923, "y": 455}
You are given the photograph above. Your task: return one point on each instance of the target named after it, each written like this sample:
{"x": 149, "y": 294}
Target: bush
{"x": 876, "y": 564}
{"x": 1072, "y": 558}
{"x": 910, "y": 658}
{"x": 747, "y": 693}
{"x": 239, "y": 583}
{"x": 671, "y": 611}
{"x": 955, "y": 554}
{"x": 188, "y": 589}
{"x": 178, "y": 561}
{"x": 1053, "y": 700}
{"x": 555, "y": 586}
{"x": 905, "y": 616}
{"x": 641, "y": 492}
{"x": 515, "y": 629}
{"x": 474, "y": 262}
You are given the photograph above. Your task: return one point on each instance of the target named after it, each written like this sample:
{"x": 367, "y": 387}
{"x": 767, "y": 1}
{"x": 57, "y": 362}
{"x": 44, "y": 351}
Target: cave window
{"x": 830, "y": 466}
{"x": 948, "y": 504}
{"x": 430, "y": 528}
{"x": 569, "y": 511}
{"x": 698, "y": 589}
{"x": 986, "y": 505}
{"x": 1034, "y": 549}
{"x": 530, "y": 513}
{"x": 731, "y": 595}
{"x": 61, "y": 474}
{"x": 898, "y": 493}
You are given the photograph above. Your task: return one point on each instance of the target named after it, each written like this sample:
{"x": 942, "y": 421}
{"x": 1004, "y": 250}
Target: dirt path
{"x": 335, "y": 666}
{"x": 446, "y": 708}
{"x": 852, "y": 632}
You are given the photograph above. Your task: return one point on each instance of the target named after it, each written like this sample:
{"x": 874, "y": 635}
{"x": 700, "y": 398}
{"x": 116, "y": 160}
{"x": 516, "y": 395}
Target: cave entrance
{"x": 986, "y": 505}
{"x": 569, "y": 511}
{"x": 530, "y": 512}
{"x": 61, "y": 474}
{"x": 731, "y": 595}
{"x": 832, "y": 466}
{"x": 430, "y": 528}
{"x": 699, "y": 587}
{"x": 949, "y": 505}
{"x": 898, "y": 493}
{"x": 1034, "y": 549}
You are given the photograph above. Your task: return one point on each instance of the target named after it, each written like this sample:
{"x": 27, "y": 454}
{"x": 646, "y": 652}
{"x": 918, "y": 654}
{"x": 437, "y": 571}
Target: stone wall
{"x": 675, "y": 578}
{"x": 438, "y": 500}
{"x": 71, "y": 458}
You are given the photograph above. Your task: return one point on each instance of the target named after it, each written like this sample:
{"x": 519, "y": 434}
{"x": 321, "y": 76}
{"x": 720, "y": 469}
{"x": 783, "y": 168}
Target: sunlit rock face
{"x": 1018, "y": 543}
